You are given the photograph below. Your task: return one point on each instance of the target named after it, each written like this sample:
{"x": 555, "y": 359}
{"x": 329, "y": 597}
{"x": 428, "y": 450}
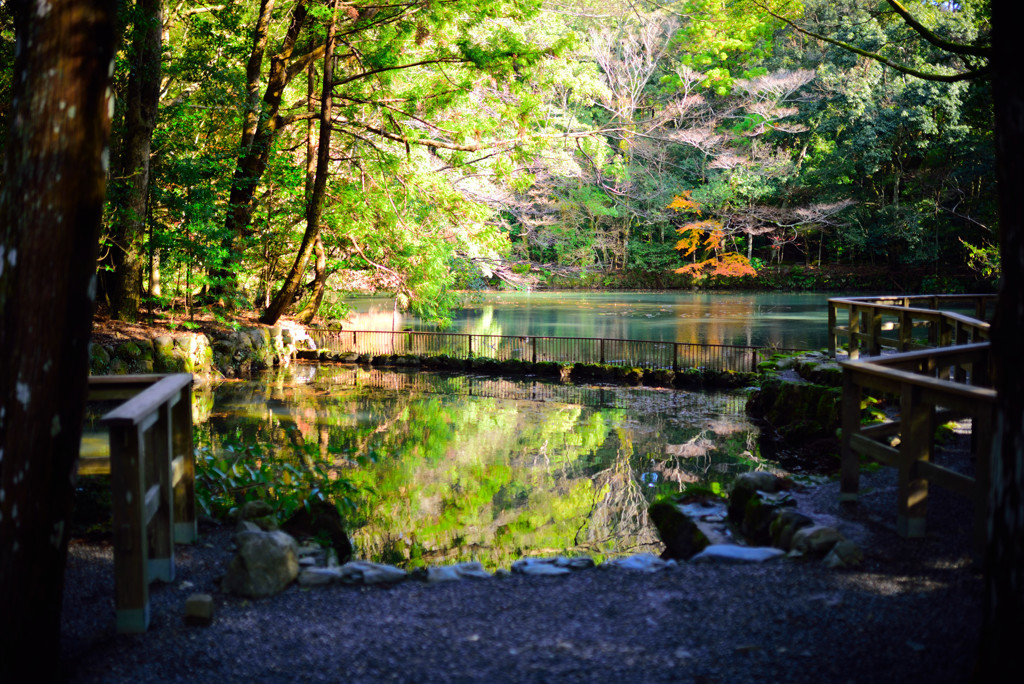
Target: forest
{"x": 272, "y": 155}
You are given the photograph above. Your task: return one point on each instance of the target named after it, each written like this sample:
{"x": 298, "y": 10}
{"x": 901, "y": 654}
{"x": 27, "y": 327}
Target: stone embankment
{"x": 228, "y": 354}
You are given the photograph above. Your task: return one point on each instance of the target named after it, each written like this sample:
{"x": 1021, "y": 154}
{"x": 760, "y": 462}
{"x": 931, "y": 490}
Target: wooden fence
{"x": 564, "y": 350}
{"x": 907, "y": 323}
{"x": 933, "y": 386}
{"x": 152, "y": 471}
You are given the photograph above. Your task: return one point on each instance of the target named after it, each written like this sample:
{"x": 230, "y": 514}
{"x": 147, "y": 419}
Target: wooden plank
{"x": 882, "y": 453}
{"x": 152, "y": 502}
{"x": 185, "y": 527}
{"x": 161, "y": 555}
{"x": 131, "y": 588}
{"x": 177, "y": 470}
{"x": 944, "y": 477}
{"x": 146, "y": 402}
{"x": 915, "y": 445}
{"x": 881, "y": 430}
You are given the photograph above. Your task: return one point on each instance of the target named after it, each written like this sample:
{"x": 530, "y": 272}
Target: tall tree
{"x": 315, "y": 200}
{"x": 131, "y": 188}
{"x": 51, "y": 207}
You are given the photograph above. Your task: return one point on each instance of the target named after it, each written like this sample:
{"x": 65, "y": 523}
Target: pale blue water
{"x": 790, "y": 320}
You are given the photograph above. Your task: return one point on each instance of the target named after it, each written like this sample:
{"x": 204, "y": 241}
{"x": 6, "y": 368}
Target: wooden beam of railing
{"x": 866, "y": 322}
{"x": 920, "y": 396}
{"x": 150, "y": 453}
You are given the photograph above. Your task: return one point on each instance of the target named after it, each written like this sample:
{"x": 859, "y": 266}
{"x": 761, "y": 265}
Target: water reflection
{"x": 452, "y": 467}
{"x": 797, "y": 320}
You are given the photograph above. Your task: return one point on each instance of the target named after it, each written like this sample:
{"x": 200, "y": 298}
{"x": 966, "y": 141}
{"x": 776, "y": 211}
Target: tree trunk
{"x": 308, "y": 313}
{"x": 1004, "y": 559}
{"x": 259, "y": 129}
{"x": 127, "y": 255}
{"x": 50, "y": 212}
{"x": 315, "y": 205}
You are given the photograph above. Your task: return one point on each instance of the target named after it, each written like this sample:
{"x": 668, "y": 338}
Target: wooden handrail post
{"x": 185, "y": 530}
{"x": 854, "y": 332}
{"x": 917, "y": 420}
{"x": 874, "y": 327}
{"x": 832, "y": 333}
{"x": 131, "y": 588}
{"x": 159, "y": 450}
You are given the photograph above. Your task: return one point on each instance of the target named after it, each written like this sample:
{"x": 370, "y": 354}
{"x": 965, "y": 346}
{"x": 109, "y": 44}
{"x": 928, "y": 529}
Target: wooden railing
{"x": 535, "y": 349}
{"x": 152, "y": 472}
{"x": 933, "y": 386}
{"x": 906, "y": 323}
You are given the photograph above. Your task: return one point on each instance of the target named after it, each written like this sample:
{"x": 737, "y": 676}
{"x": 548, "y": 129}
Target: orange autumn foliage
{"x": 731, "y": 265}
{"x": 682, "y": 202}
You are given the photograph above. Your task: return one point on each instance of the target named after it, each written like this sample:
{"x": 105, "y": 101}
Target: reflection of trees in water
{"x": 449, "y": 476}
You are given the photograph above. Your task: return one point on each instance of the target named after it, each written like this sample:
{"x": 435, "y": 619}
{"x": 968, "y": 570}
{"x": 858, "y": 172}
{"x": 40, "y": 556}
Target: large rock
{"x": 365, "y": 572}
{"x": 730, "y": 553}
{"x": 816, "y": 540}
{"x": 678, "y": 528}
{"x": 641, "y": 562}
{"x": 265, "y": 563}
{"x": 800, "y": 412}
{"x": 321, "y": 521}
{"x": 785, "y": 525}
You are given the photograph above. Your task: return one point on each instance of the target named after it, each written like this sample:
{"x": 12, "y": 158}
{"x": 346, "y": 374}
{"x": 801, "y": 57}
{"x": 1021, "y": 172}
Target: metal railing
{"x": 536, "y": 349}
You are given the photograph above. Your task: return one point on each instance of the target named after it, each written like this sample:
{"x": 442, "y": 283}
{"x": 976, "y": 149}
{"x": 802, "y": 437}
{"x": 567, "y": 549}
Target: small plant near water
{"x": 288, "y": 478}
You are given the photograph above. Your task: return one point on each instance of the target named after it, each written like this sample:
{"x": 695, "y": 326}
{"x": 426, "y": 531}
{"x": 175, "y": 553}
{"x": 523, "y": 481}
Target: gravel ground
{"x": 910, "y": 613}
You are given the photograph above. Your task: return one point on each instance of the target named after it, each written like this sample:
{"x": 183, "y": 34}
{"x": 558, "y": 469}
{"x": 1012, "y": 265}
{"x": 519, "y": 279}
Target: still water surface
{"x": 790, "y": 320}
{"x": 453, "y": 467}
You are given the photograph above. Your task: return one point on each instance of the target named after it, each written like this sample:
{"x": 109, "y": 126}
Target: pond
{"x": 446, "y": 468}
{"x": 788, "y": 320}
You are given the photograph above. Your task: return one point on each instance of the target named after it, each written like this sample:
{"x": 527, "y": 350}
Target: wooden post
{"x": 906, "y": 330}
{"x": 832, "y": 334}
{"x": 185, "y": 531}
{"x": 533, "y": 350}
{"x": 675, "y": 357}
{"x": 601, "y": 350}
{"x": 875, "y": 327}
{"x": 131, "y": 587}
{"x": 159, "y": 498}
{"x": 849, "y": 463}
{"x": 854, "y": 332}
{"x": 917, "y": 420}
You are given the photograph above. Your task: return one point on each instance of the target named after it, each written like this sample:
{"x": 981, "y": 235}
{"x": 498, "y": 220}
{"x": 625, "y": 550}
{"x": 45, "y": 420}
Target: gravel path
{"x": 910, "y": 613}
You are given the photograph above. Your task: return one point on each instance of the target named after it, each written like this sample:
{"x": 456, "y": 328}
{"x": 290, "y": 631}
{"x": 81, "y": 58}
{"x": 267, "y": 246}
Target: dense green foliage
{"x": 478, "y": 143}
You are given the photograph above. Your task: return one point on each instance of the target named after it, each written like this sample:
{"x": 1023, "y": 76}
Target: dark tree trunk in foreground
{"x": 1004, "y": 560}
{"x": 49, "y": 233}
{"x": 128, "y": 258}
{"x": 315, "y": 204}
